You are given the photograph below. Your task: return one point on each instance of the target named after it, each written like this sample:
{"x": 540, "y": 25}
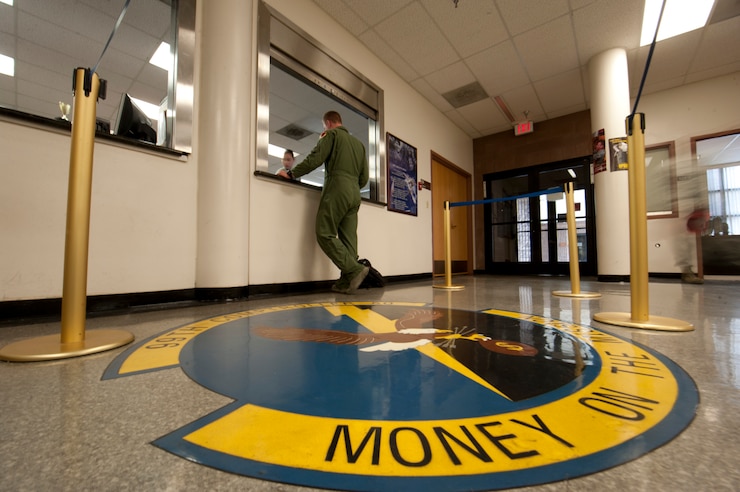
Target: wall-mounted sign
{"x": 402, "y": 170}
{"x": 523, "y": 128}
{"x": 599, "y": 154}
{"x": 618, "y": 150}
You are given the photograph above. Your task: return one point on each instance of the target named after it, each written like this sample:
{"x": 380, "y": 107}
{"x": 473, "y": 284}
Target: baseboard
{"x": 50, "y": 310}
{"x": 40, "y": 310}
{"x": 613, "y": 278}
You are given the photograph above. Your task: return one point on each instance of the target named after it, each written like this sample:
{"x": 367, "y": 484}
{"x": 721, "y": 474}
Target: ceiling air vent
{"x": 294, "y": 131}
{"x": 467, "y": 94}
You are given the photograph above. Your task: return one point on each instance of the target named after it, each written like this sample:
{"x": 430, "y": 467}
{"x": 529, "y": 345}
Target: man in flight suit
{"x": 347, "y": 172}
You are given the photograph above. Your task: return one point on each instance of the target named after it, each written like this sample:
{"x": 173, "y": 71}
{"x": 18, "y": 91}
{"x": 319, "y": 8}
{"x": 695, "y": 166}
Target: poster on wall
{"x": 618, "y": 153}
{"x": 599, "y": 146}
{"x": 402, "y": 170}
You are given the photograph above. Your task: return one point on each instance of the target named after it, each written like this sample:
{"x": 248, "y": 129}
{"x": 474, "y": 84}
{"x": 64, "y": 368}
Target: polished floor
{"x": 125, "y": 420}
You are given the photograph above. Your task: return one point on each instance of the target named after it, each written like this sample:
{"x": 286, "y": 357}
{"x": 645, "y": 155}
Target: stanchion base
{"x": 448, "y": 287}
{"x": 581, "y": 295}
{"x": 652, "y": 323}
{"x": 50, "y": 347}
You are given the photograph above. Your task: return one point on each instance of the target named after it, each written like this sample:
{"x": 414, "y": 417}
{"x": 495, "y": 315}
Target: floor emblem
{"x": 409, "y": 396}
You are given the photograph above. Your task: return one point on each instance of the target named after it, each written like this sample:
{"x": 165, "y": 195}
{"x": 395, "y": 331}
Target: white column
{"x": 610, "y": 106}
{"x": 224, "y": 143}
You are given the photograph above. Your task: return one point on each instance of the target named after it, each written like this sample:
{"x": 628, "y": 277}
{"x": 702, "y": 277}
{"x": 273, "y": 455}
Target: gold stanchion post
{"x": 575, "y": 276}
{"x": 639, "y": 316}
{"x": 73, "y": 341}
{"x": 448, "y": 254}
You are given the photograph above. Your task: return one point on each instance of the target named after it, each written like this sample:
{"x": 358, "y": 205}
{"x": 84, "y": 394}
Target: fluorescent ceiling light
{"x": 278, "y": 152}
{"x": 149, "y": 109}
{"x": 8, "y": 2}
{"x": 679, "y": 17}
{"x": 7, "y": 65}
{"x": 162, "y": 58}
{"x": 275, "y": 151}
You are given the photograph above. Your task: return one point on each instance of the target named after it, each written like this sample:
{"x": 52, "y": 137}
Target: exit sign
{"x": 523, "y": 128}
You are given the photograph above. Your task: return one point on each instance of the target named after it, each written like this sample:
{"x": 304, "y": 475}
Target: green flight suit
{"x": 345, "y": 162}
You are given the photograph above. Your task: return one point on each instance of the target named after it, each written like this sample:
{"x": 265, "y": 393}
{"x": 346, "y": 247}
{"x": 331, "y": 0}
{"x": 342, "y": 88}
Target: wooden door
{"x": 450, "y": 183}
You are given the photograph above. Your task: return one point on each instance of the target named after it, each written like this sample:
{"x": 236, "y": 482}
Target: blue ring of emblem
{"x": 282, "y": 360}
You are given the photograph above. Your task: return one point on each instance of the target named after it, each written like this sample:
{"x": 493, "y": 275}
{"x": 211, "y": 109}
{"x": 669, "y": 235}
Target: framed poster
{"x": 618, "y": 148}
{"x": 599, "y": 151}
{"x": 402, "y": 171}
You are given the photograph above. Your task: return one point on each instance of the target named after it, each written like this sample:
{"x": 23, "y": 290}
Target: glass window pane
{"x": 296, "y": 111}
{"x": 48, "y": 41}
{"x": 660, "y": 197}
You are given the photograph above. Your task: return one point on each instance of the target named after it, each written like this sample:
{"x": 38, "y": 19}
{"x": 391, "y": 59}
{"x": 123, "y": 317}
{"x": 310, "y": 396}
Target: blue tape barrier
{"x": 549, "y": 191}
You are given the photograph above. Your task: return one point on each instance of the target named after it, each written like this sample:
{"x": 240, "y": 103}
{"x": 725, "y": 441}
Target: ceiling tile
{"x": 43, "y": 76}
{"x": 343, "y": 14}
{"x": 152, "y": 18}
{"x": 44, "y": 57}
{"x": 606, "y": 24}
{"x": 388, "y": 55}
{"x": 7, "y": 20}
{"x": 451, "y": 77}
{"x": 69, "y": 15}
{"x": 567, "y": 110}
{"x": 471, "y": 27}
{"x": 61, "y": 40}
{"x": 561, "y": 91}
{"x": 710, "y": 73}
{"x": 44, "y": 99}
{"x": 671, "y": 59}
{"x": 375, "y": 11}
{"x": 7, "y": 94}
{"x": 457, "y": 118}
{"x": 479, "y": 114}
{"x": 498, "y": 69}
{"x": 417, "y": 39}
{"x": 134, "y": 42}
{"x": 715, "y": 46}
{"x": 7, "y": 44}
{"x": 521, "y": 16}
{"x": 118, "y": 64}
{"x": 524, "y": 99}
{"x": 432, "y": 95}
{"x": 548, "y": 49}
{"x": 662, "y": 84}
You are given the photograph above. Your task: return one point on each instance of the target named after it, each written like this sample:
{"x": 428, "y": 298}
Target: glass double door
{"x": 527, "y": 231}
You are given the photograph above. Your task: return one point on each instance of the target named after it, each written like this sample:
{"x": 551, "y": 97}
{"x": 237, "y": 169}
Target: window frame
{"x": 288, "y": 46}
{"x": 671, "y": 178}
{"x": 708, "y": 167}
{"x": 179, "y": 92}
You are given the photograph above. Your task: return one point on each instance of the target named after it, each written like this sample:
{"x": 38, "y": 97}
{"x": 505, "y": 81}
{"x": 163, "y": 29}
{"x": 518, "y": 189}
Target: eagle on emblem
{"x": 409, "y": 334}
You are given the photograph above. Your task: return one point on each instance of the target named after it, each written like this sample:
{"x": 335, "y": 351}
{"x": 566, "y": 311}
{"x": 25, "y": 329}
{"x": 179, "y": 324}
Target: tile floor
{"x": 63, "y": 428}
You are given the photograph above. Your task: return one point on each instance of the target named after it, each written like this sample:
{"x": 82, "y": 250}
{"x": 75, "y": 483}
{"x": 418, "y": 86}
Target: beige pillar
{"x": 225, "y": 125}
{"x": 610, "y": 105}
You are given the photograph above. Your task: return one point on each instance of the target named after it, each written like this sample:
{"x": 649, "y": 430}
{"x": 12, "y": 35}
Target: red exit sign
{"x": 523, "y": 128}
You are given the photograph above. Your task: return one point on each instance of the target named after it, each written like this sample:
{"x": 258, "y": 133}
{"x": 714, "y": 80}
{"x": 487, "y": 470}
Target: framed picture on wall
{"x": 402, "y": 176}
{"x": 618, "y": 153}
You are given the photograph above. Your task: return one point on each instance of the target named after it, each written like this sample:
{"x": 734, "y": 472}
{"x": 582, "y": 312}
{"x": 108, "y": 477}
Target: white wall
{"x": 677, "y": 115}
{"x": 142, "y": 229}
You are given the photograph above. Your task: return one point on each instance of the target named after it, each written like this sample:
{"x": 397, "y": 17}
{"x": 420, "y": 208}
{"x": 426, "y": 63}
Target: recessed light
{"x": 679, "y": 17}
{"x": 7, "y": 65}
{"x": 162, "y": 58}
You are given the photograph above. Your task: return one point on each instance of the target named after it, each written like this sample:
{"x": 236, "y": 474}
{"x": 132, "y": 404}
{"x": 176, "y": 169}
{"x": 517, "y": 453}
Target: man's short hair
{"x": 333, "y": 116}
